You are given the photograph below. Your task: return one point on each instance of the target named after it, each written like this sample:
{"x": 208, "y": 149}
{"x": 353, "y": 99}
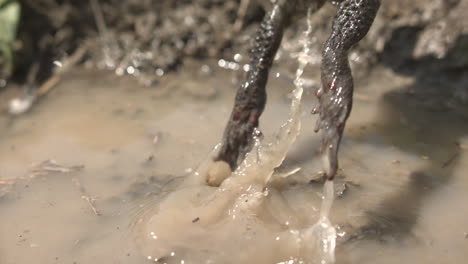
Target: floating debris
{"x": 52, "y": 166}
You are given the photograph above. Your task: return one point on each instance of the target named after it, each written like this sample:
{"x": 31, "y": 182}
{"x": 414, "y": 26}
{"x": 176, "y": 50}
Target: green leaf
{"x": 9, "y": 18}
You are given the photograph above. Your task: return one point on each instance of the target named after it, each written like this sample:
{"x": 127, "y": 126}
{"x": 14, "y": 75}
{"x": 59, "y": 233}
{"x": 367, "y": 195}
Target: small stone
{"x": 155, "y": 139}
{"x": 20, "y": 105}
{"x": 218, "y": 172}
{"x": 150, "y": 158}
{"x": 341, "y": 189}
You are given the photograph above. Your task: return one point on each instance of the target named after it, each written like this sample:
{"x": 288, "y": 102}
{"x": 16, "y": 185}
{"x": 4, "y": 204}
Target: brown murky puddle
{"x": 114, "y": 149}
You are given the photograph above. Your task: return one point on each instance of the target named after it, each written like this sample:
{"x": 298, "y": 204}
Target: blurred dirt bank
{"x": 149, "y": 38}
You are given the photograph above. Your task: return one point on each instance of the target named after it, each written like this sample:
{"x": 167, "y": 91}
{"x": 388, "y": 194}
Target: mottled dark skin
{"x": 352, "y": 22}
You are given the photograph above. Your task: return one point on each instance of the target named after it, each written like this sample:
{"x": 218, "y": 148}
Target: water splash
{"x": 320, "y": 240}
{"x": 197, "y": 212}
{"x": 305, "y": 56}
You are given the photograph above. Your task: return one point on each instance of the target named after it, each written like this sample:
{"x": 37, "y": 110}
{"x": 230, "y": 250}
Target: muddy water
{"x": 402, "y": 188}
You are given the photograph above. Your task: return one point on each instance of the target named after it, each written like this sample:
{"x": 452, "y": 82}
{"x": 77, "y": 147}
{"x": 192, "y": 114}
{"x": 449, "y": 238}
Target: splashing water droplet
{"x": 320, "y": 240}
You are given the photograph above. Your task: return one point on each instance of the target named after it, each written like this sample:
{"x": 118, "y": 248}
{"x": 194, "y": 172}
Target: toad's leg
{"x": 351, "y": 24}
{"x": 251, "y": 96}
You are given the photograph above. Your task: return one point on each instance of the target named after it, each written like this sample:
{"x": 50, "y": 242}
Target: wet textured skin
{"x": 352, "y": 22}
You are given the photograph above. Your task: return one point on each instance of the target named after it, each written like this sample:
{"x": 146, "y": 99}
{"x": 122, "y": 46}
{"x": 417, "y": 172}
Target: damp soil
{"x": 98, "y": 155}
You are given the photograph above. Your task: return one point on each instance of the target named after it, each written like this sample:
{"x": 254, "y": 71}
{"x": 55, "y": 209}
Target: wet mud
{"x": 115, "y": 151}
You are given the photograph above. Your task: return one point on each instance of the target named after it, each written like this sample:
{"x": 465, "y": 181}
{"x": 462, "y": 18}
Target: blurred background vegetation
{"x": 425, "y": 39}
{"x": 9, "y": 17}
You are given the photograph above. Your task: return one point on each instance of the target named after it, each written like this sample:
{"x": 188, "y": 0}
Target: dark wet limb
{"x": 251, "y": 96}
{"x": 351, "y": 24}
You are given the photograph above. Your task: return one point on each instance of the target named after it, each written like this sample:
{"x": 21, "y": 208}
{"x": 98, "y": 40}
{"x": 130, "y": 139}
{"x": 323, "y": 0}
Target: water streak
{"x": 320, "y": 239}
